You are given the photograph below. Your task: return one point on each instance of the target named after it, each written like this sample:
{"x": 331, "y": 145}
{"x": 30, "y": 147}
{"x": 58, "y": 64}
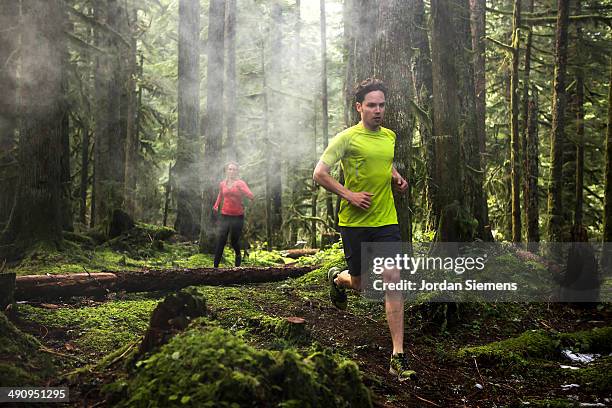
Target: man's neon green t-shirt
{"x": 367, "y": 161}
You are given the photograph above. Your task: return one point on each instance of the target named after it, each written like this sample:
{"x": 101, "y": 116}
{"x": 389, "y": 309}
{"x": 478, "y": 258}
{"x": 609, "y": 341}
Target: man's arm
{"x": 398, "y": 181}
{"x": 322, "y": 176}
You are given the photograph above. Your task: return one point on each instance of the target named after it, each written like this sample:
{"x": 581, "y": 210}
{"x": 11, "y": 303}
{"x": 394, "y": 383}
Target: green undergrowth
{"x": 22, "y": 359}
{"x": 540, "y": 344}
{"x": 239, "y": 309}
{"x": 208, "y": 366}
{"x": 96, "y": 329}
{"x": 145, "y": 246}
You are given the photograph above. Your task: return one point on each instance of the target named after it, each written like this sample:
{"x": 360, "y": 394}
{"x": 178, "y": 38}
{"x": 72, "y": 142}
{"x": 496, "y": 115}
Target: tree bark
{"x": 515, "y": 154}
{"x": 9, "y": 57}
{"x": 556, "y": 223}
{"x": 423, "y": 83}
{"x": 525, "y": 127}
{"x": 607, "y": 216}
{"x": 110, "y": 141}
{"x": 478, "y": 26}
{"x": 214, "y": 123}
{"x": 84, "y": 180}
{"x": 579, "y": 107}
{"x": 453, "y": 121}
{"x": 392, "y": 65}
{"x": 329, "y": 206}
{"x": 132, "y": 135}
{"x": 275, "y": 164}
{"x": 37, "y": 216}
{"x": 186, "y": 171}
{"x": 361, "y": 22}
{"x": 231, "y": 153}
{"x": 532, "y": 173}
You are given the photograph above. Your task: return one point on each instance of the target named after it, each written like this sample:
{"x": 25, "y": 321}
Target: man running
{"x": 367, "y": 210}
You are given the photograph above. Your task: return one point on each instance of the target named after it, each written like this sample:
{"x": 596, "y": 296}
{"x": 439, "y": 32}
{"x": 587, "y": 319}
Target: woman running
{"x": 232, "y": 191}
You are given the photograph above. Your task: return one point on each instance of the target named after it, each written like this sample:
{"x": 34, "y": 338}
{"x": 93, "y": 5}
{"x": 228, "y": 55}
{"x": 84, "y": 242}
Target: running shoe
{"x": 400, "y": 368}
{"x": 336, "y": 294}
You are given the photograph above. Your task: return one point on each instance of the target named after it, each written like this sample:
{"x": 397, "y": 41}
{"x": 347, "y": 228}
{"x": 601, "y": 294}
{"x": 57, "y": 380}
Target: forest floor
{"x": 519, "y": 364}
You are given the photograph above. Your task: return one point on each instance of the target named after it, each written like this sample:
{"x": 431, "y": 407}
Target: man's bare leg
{"x": 394, "y": 309}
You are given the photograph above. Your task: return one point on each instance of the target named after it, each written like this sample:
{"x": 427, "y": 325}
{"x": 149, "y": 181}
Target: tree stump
{"x": 7, "y": 289}
{"x": 172, "y": 316}
{"x": 293, "y": 329}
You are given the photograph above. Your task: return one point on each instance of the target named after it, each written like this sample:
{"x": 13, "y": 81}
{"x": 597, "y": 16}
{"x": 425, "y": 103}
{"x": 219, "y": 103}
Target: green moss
{"x": 101, "y": 329}
{"x": 260, "y": 257}
{"x": 11, "y": 375}
{"x": 210, "y": 367}
{"x": 22, "y": 362}
{"x": 538, "y": 344}
{"x": 531, "y": 344}
{"x": 596, "y": 377}
{"x": 597, "y": 340}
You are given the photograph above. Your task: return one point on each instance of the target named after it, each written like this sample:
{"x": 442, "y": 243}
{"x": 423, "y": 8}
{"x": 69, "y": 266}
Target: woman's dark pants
{"x": 230, "y": 225}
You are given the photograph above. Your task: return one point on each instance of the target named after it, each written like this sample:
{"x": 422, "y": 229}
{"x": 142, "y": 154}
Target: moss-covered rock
{"x": 21, "y": 360}
{"x": 207, "y": 366}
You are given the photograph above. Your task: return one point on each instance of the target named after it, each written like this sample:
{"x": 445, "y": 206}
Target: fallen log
{"x": 298, "y": 253}
{"x": 46, "y": 287}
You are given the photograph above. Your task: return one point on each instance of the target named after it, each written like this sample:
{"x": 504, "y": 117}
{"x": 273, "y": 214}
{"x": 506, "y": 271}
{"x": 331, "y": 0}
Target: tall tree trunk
{"x": 315, "y": 186}
{"x": 531, "y": 175}
{"x": 214, "y": 123}
{"x": 131, "y": 139}
{"x": 324, "y": 109}
{"x": 9, "y": 57}
{"x": 392, "y": 65}
{"x": 454, "y": 119}
{"x": 579, "y": 125}
{"x": 294, "y": 166}
{"x": 110, "y": 141}
{"x": 168, "y": 191}
{"x": 361, "y": 21}
{"x": 556, "y": 221}
{"x": 231, "y": 152}
{"x": 349, "y": 62}
{"x": 84, "y": 181}
{"x": 478, "y": 26}
{"x": 64, "y": 131}
{"x": 607, "y": 215}
{"x": 423, "y": 83}
{"x": 525, "y": 126}
{"x": 186, "y": 169}
{"x": 515, "y": 165}
{"x": 274, "y": 188}
{"x": 37, "y": 216}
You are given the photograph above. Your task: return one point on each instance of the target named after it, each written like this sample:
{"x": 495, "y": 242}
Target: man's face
{"x": 372, "y": 109}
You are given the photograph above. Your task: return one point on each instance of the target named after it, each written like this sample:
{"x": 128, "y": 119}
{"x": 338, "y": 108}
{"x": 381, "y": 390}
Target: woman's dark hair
{"x": 367, "y": 86}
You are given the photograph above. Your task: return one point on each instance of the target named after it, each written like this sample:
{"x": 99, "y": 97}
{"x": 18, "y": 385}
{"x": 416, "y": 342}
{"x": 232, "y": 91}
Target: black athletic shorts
{"x": 352, "y": 237}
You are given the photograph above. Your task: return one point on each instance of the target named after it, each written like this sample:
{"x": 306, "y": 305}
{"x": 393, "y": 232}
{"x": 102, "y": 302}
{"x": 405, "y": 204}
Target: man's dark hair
{"x": 367, "y": 86}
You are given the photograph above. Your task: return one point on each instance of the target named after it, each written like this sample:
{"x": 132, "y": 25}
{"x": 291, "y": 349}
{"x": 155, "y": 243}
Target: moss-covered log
{"x": 90, "y": 284}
